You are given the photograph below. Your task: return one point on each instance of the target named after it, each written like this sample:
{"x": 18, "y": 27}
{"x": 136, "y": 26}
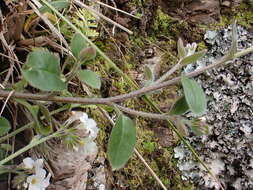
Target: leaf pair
{"x": 194, "y": 98}
{"x": 42, "y": 71}
{"x": 83, "y": 53}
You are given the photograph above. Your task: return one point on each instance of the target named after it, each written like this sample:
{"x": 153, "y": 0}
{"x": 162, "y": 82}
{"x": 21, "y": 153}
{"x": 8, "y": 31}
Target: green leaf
{"x": 122, "y": 141}
{"x": 47, "y": 127}
{"x": 180, "y": 107}
{"x": 20, "y": 85}
{"x": 4, "y": 126}
{"x": 42, "y": 71}
{"x": 44, "y": 110}
{"x": 58, "y": 5}
{"x": 78, "y": 43}
{"x": 193, "y": 58}
{"x": 194, "y": 95}
{"x": 181, "y": 49}
{"x": 149, "y": 73}
{"x": 90, "y": 78}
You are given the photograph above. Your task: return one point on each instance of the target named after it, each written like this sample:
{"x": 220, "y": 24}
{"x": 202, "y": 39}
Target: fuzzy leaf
{"x": 122, "y": 142}
{"x": 87, "y": 54}
{"x": 193, "y": 58}
{"x": 42, "y": 71}
{"x": 149, "y": 73}
{"x": 78, "y": 43}
{"x": 180, "y": 48}
{"x": 180, "y": 107}
{"x": 90, "y": 78}
{"x": 194, "y": 95}
{"x": 4, "y": 126}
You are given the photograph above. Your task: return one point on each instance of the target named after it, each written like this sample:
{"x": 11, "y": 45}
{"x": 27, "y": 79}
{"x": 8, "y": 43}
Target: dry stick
{"x": 9, "y": 57}
{"x": 79, "y": 3}
{"x": 116, "y": 9}
{"x": 5, "y": 102}
{"x": 168, "y": 73}
{"x": 143, "y": 114}
{"x": 123, "y": 97}
{"x": 49, "y": 24}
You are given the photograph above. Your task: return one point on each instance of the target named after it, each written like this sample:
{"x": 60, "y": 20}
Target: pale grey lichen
{"x": 228, "y": 149}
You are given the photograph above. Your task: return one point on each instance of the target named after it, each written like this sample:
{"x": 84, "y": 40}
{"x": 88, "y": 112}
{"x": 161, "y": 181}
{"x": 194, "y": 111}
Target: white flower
{"x": 39, "y": 181}
{"x": 90, "y": 126}
{"x": 190, "y": 49}
{"x": 84, "y": 117}
{"x": 29, "y": 163}
{"x": 89, "y": 148}
{"x": 76, "y": 115}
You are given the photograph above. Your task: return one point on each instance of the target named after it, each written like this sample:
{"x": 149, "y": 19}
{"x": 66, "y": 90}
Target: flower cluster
{"x": 39, "y": 180}
{"x": 89, "y": 126}
{"x": 190, "y": 49}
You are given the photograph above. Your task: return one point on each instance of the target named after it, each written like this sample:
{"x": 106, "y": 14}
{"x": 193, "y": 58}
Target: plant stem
{"x": 19, "y": 130}
{"x": 29, "y": 146}
{"x": 120, "y": 98}
{"x": 143, "y": 114}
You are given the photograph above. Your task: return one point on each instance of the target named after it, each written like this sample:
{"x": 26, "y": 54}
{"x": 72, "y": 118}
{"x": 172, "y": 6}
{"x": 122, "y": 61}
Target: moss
{"x": 201, "y": 46}
{"x": 166, "y": 26}
{"x": 244, "y": 15}
{"x": 161, "y": 23}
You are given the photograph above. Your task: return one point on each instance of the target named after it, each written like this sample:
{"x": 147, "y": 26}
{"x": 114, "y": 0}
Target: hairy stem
{"x": 120, "y": 98}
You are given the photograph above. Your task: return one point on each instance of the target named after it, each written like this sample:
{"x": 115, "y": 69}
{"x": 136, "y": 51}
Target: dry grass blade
{"x": 94, "y": 12}
{"x": 116, "y": 9}
{"x": 54, "y": 30}
{"x": 5, "y": 102}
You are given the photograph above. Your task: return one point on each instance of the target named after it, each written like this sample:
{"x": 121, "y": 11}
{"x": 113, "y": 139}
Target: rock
{"x": 228, "y": 149}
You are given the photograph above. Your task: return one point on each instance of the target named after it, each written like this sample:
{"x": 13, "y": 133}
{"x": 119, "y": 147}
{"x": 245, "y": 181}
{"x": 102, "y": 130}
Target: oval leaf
{"x": 78, "y": 43}
{"x": 42, "y": 71}
{"x": 149, "y": 73}
{"x": 180, "y": 107}
{"x": 194, "y": 95}
{"x": 90, "y": 78}
{"x": 193, "y": 58}
{"x": 4, "y": 126}
{"x": 122, "y": 141}
{"x": 44, "y": 80}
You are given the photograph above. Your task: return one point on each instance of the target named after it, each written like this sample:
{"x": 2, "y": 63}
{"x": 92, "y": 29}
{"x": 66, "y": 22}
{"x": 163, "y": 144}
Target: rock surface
{"x": 228, "y": 149}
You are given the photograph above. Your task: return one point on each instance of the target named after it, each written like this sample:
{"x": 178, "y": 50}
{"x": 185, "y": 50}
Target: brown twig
{"x": 109, "y": 100}
{"x": 120, "y": 98}
{"x": 143, "y": 114}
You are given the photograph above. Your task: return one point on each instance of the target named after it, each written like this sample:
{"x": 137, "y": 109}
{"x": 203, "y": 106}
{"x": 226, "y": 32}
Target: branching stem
{"x": 120, "y": 98}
